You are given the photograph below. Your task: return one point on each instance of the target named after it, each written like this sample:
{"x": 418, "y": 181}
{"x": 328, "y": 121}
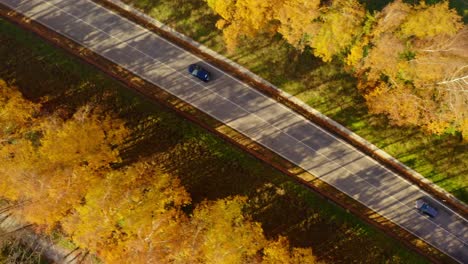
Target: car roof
{"x": 425, "y": 207}
{"x": 429, "y": 209}
{"x": 419, "y": 203}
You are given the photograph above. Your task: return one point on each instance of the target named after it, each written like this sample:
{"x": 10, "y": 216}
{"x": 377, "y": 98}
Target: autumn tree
{"x": 280, "y": 251}
{"x": 17, "y": 116}
{"x": 16, "y": 113}
{"x": 55, "y": 175}
{"x": 339, "y": 25}
{"x": 17, "y": 169}
{"x": 431, "y": 21}
{"x": 244, "y": 18}
{"x": 74, "y": 154}
{"x": 132, "y": 215}
{"x": 220, "y": 232}
{"x": 440, "y": 66}
{"x": 296, "y": 19}
{"x": 329, "y": 30}
{"x": 89, "y": 138}
{"x": 415, "y": 68}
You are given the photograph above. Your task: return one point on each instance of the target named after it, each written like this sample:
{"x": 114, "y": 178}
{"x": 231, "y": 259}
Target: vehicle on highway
{"x": 425, "y": 208}
{"x": 199, "y": 72}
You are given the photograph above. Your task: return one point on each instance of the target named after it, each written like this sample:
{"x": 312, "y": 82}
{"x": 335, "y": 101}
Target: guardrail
{"x": 297, "y": 105}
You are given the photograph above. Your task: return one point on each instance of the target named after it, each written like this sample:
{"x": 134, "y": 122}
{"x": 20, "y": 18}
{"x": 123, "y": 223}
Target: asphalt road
{"x": 253, "y": 114}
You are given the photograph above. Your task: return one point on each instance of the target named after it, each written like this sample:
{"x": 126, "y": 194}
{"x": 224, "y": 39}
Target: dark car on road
{"x": 199, "y": 72}
{"x": 425, "y": 208}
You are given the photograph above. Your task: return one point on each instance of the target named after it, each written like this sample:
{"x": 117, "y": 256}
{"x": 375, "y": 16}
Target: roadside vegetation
{"x": 399, "y": 90}
{"x": 93, "y": 160}
{"x": 13, "y": 252}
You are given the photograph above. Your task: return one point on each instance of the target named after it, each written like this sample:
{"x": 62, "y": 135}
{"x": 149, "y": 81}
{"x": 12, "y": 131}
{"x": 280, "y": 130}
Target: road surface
{"x": 252, "y": 114}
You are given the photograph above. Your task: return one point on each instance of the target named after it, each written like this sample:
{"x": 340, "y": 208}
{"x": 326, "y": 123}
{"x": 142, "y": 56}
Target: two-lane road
{"x": 252, "y": 114}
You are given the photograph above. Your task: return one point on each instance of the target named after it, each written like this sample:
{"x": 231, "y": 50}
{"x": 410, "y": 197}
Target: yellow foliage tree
{"x": 279, "y": 251}
{"x": 399, "y": 103}
{"x": 390, "y": 18}
{"x": 52, "y": 193}
{"x": 244, "y": 18}
{"x": 18, "y": 170}
{"x": 88, "y": 138}
{"x": 431, "y": 20}
{"x": 223, "y": 234}
{"x": 133, "y": 215}
{"x": 384, "y": 58}
{"x": 130, "y": 215}
{"x": 16, "y": 113}
{"x": 421, "y": 65}
{"x": 440, "y": 69}
{"x": 339, "y": 25}
{"x": 296, "y": 21}
{"x": 17, "y": 154}
{"x": 54, "y": 176}
{"x": 225, "y": 8}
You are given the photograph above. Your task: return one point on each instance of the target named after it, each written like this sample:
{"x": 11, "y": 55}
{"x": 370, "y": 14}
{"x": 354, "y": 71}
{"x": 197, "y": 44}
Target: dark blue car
{"x": 199, "y": 72}
{"x": 425, "y": 208}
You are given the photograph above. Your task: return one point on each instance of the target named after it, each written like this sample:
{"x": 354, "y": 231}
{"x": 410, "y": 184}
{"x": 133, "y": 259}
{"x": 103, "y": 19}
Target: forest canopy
{"x": 62, "y": 174}
{"x": 411, "y": 60}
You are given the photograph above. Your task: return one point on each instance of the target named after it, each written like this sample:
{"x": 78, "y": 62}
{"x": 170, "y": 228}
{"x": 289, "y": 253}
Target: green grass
{"x": 207, "y": 167}
{"x": 326, "y": 87}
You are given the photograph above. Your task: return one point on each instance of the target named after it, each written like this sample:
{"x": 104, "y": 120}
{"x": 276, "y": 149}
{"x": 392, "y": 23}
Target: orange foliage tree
{"x": 128, "y": 215}
{"x": 296, "y": 21}
{"x": 243, "y": 18}
{"x": 415, "y": 71}
{"x": 132, "y": 215}
{"x": 410, "y": 60}
{"x": 17, "y": 118}
{"x": 54, "y": 175}
{"x": 339, "y": 25}
{"x": 16, "y": 113}
{"x": 221, "y": 233}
